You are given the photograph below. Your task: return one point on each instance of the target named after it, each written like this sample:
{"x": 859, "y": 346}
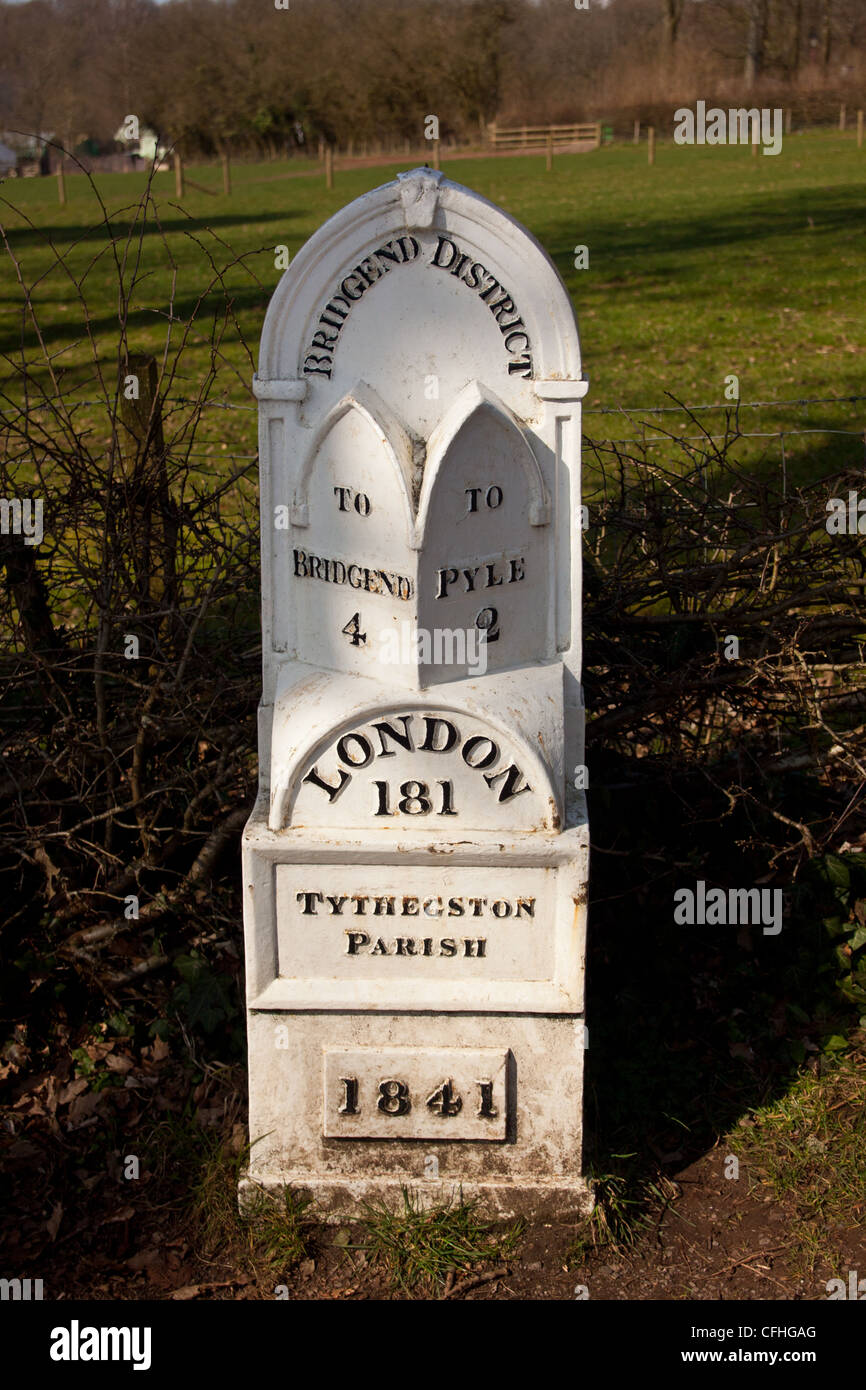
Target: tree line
{"x": 213, "y": 75}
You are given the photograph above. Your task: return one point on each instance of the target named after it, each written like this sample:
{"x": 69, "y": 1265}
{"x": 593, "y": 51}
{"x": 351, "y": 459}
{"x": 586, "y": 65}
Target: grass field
{"x": 712, "y": 262}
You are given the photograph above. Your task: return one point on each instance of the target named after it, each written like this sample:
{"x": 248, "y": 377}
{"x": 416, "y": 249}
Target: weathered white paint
{"x": 416, "y": 864}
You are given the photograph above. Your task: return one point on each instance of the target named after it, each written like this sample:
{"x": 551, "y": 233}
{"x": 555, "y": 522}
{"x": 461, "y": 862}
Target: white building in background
{"x": 148, "y": 146}
{"x": 8, "y": 161}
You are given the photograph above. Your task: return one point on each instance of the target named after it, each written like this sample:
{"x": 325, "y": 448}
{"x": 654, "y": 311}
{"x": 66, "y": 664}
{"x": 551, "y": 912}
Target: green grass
{"x": 808, "y": 1149}
{"x": 707, "y": 264}
{"x": 420, "y": 1246}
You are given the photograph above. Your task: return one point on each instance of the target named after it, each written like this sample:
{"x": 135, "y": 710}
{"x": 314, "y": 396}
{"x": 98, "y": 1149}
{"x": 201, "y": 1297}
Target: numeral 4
{"x": 444, "y": 1101}
{"x": 353, "y": 631}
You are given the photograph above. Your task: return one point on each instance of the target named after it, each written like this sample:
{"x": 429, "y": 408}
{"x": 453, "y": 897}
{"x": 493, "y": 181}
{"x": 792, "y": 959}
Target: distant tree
{"x": 672, "y": 14}
{"x": 756, "y": 38}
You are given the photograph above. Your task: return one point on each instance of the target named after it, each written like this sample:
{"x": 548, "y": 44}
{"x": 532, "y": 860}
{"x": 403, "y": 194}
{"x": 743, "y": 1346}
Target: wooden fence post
{"x": 636, "y": 139}
{"x": 549, "y": 160}
{"x": 61, "y": 183}
{"x": 178, "y": 175}
{"x": 859, "y": 130}
{"x": 788, "y": 115}
{"x": 227, "y": 175}
{"x": 651, "y": 144}
{"x": 842, "y": 114}
{"x": 435, "y": 154}
{"x": 329, "y": 166}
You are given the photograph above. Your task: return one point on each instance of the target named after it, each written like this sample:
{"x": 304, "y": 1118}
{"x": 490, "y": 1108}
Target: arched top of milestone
{"x": 425, "y": 203}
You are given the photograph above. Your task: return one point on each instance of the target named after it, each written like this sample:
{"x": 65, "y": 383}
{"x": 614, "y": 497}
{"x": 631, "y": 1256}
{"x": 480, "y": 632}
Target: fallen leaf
{"x": 125, "y": 1214}
{"x": 73, "y": 1089}
{"x": 119, "y": 1062}
{"x": 143, "y": 1260}
{"x": 52, "y": 1225}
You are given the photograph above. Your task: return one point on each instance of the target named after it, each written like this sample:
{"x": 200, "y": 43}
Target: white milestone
{"x": 415, "y": 868}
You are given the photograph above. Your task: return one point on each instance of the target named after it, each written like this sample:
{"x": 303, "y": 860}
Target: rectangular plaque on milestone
{"x": 415, "y": 867}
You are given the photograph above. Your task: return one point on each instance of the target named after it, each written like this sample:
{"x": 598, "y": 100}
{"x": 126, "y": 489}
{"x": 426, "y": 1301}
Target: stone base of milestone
{"x": 343, "y": 1199}
{"x": 356, "y": 1109}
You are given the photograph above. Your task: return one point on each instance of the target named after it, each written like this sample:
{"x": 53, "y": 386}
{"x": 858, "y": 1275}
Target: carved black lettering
{"x": 404, "y": 739}
{"x": 447, "y": 807}
{"x": 441, "y": 244}
{"x": 317, "y": 371}
{"x": 394, "y": 1098}
{"x": 491, "y": 289}
{"x": 455, "y": 907}
{"x": 328, "y": 788}
{"x": 476, "y": 947}
{"x": 368, "y": 271}
{"x": 505, "y": 305}
{"x": 388, "y": 255}
{"x": 300, "y": 564}
{"x": 309, "y": 901}
{"x": 525, "y": 906}
{"x": 444, "y": 1099}
{"x": 383, "y": 805}
{"x": 383, "y": 907}
{"x": 448, "y": 946}
{"x": 501, "y": 907}
{"x": 354, "y": 941}
{"x": 348, "y": 293}
{"x": 523, "y": 365}
{"x": 352, "y": 630}
{"x": 433, "y": 725}
{"x": 337, "y": 905}
{"x": 472, "y": 746}
{"x": 486, "y": 1109}
{"x": 349, "y": 1103}
{"x": 446, "y": 578}
{"x": 364, "y": 745}
{"x": 487, "y": 622}
{"x": 415, "y": 800}
{"x": 510, "y": 339}
{"x": 321, "y": 339}
{"x": 509, "y": 787}
{"x": 378, "y": 948}
{"x": 492, "y": 580}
